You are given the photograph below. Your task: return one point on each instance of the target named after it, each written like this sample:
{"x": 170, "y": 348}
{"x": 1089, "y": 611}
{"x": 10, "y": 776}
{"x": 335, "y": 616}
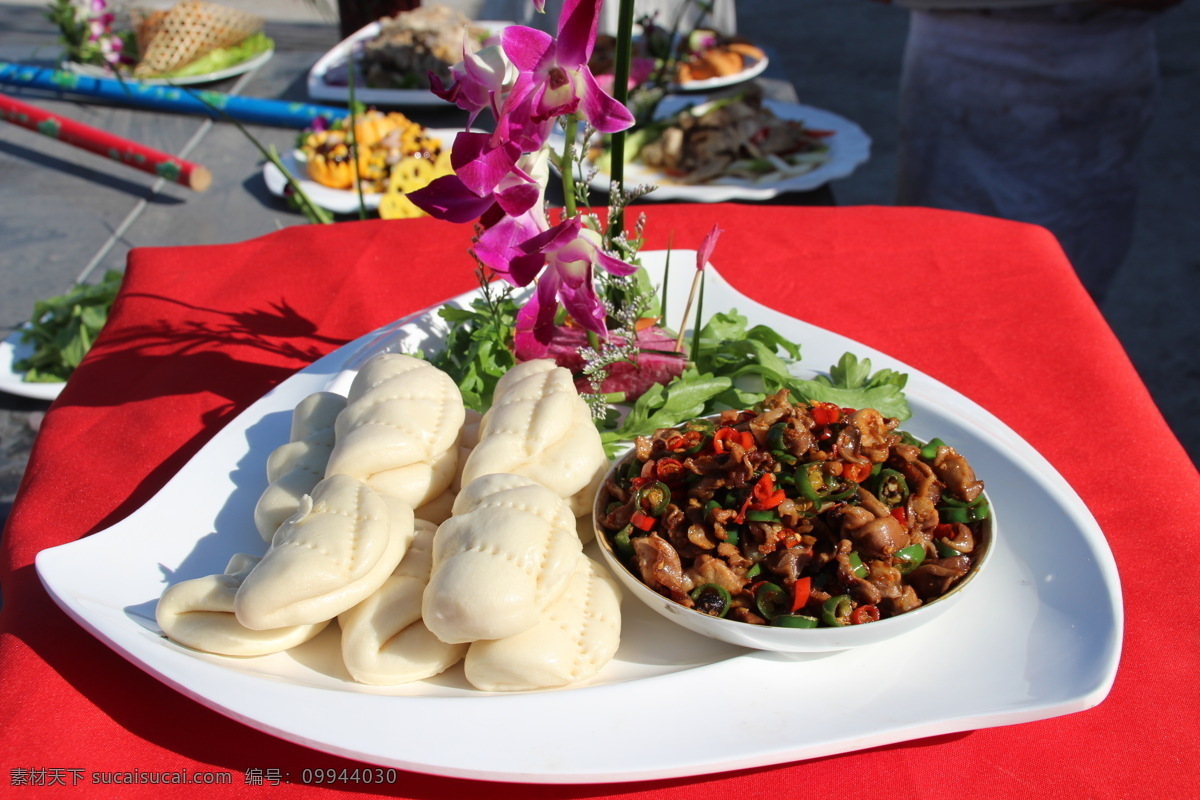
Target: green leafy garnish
{"x": 478, "y": 348}
{"x": 736, "y": 366}
{"x": 851, "y": 384}
{"x": 63, "y": 328}
{"x": 690, "y": 395}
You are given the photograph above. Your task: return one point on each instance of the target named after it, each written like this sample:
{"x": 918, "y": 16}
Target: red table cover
{"x": 991, "y": 308}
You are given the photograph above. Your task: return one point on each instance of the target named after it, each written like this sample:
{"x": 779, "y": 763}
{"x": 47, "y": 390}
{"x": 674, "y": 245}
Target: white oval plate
{"x": 339, "y": 201}
{"x": 319, "y": 89}
{"x": 12, "y": 350}
{"x": 1040, "y": 634}
{"x": 95, "y": 71}
{"x": 753, "y": 69}
{"x": 849, "y": 146}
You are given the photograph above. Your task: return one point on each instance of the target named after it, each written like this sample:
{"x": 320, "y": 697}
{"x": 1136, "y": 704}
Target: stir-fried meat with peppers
{"x": 795, "y": 514}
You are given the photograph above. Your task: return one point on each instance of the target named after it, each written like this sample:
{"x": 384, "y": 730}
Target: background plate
{"x": 13, "y": 349}
{"x": 1039, "y": 633}
{"x": 94, "y": 71}
{"x": 850, "y": 147}
{"x": 339, "y": 201}
{"x": 320, "y": 89}
{"x": 753, "y": 69}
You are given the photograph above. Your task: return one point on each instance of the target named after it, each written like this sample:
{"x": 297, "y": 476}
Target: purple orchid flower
{"x": 554, "y": 78}
{"x": 481, "y": 80}
{"x": 485, "y": 175}
{"x": 567, "y": 256}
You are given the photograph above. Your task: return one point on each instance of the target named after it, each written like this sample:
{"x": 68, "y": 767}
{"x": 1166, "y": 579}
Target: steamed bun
{"x": 334, "y": 552}
{"x": 500, "y": 560}
{"x": 539, "y": 427}
{"x": 199, "y": 613}
{"x": 400, "y": 428}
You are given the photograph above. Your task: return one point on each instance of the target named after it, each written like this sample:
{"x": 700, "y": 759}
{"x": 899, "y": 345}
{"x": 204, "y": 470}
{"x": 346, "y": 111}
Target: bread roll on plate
{"x": 384, "y": 640}
{"x": 333, "y": 553}
{"x": 578, "y": 634}
{"x": 294, "y": 468}
{"x": 539, "y": 427}
{"x": 199, "y": 613}
{"x": 400, "y": 428}
{"x": 500, "y": 560}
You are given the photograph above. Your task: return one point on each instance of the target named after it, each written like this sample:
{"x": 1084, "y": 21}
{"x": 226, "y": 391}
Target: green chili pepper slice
{"x": 770, "y": 599}
{"x": 622, "y": 543}
{"x": 891, "y": 488}
{"x": 711, "y": 599}
{"x": 945, "y": 549}
{"x": 733, "y": 535}
{"x": 775, "y": 436}
{"x": 653, "y": 498}
{"x": 754, "y": 571}
{"x": 808, "y": 478}
{"x": 929, "y": 451}
{"x": 977, "y": 511}
{"x": 856, "y": 565}
{"x": 784, "y": 458}
{"x": 795, "y": 621}
{"x": 950, "y": 500}
{"x": 762, "y": 516}
{"x": 818, "y": 488}
{"x": 962, "y": 515}
{"x": 910, "y": 558}
{"x": 836, "y": 611}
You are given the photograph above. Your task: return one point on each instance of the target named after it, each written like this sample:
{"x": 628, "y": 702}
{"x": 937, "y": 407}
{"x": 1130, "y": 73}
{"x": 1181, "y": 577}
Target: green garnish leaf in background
{"x": 62, "y": 329}
{"x": 478, "y": 348}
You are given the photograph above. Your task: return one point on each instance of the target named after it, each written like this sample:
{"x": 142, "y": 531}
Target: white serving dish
{"x": 1040, "y": 633}
{"x": 780, "y": 639}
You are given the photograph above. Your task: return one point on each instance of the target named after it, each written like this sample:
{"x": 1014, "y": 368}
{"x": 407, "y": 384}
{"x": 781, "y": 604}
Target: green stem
{"x": 616, "y": 222}
{"x": 568, "y": 167}
{"x": 353, "y": 139}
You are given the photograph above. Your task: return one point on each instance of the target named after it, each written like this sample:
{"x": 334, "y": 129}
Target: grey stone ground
{"x": 844, "y": 55}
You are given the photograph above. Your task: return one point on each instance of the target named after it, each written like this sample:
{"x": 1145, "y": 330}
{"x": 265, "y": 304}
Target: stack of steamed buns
{"x": 427, "y": 534}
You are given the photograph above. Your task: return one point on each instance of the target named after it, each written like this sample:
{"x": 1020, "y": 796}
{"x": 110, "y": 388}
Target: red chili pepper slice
{"x": 864, "y": 614}
{"x": 669, "y": 470}
{"x": 943, "y": 530}
{"x": 800, "y": 592}
{"x": 765, "y": 494}
{"x": 725, "y": 435}
{"x": 741, "y": 515}
{"x": 856, "y": 472}
{"x": 825, "y": 413}
{"x": 721, "y": 436}
{"x": 901, "y": 515}
{"x": 642, "y": 521}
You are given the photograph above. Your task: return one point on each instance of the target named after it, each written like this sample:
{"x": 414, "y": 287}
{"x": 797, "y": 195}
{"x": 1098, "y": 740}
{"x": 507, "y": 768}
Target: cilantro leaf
{"x": 662, "y": 406}
{"x": 478, "y": 347}
{"x": 851, "y": 384}
{"x": 63, "y": 328}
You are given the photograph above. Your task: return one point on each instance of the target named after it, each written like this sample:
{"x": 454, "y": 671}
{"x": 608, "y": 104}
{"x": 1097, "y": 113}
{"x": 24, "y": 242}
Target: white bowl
{"x": 780, "y": 639}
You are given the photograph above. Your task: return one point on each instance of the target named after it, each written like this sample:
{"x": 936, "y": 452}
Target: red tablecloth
{"x": 992, "y": 308}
